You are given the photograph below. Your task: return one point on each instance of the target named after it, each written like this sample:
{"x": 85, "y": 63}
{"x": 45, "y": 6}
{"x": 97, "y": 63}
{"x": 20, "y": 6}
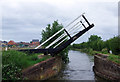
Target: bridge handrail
{"x": 60, "y": 37}
{"x": 58, "y": 32}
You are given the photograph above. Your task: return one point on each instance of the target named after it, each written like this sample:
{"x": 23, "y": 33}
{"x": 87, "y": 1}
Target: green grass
{"x": 14, "y": 61}
{"x": 111, "y": 57}
{"x": 114, "y": 58}
{"x": 88, "y": 51}
{"x": 37, "y": 60}
{"x": 20, "y": 58}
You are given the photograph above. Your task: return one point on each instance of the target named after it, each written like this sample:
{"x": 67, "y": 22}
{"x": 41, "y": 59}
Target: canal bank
{"x": 43, "y": 70}
{"x": 80, "y": 67}
{"x": 106, "y": 69}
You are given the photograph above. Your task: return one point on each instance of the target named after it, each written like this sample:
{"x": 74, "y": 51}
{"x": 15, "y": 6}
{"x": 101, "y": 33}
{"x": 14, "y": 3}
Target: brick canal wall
{"x": 43, "y": 70}
{"x": 105, "y": 68}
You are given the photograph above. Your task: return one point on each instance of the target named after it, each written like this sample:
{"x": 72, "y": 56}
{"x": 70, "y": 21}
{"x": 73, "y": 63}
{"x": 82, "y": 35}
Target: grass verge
{"x": 14, "y": 61}
{"x": 111, "y": 57}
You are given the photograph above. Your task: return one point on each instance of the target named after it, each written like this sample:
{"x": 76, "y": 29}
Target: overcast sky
{"x": 23, "y": 20}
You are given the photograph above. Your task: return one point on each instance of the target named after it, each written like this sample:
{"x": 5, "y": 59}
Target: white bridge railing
{"x": 72, "y": 28}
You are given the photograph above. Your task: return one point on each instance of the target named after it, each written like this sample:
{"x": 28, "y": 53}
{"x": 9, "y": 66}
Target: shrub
{"x": 90, "y": 51}
{"x": 105, "y": 50}
{"x": 15, "y": 57}
{"x": 14, "y": 61}
{"x": 33, "y": 58}
{"x": 11, "y": 72}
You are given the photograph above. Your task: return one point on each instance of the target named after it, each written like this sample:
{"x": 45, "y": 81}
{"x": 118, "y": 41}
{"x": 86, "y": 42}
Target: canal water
{"x": 79, "y": 67}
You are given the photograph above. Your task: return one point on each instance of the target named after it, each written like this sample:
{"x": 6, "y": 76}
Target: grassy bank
{"x": 14, "y": 61}
{"x": 111, "y": 57}
{"x": 88, "y": 51}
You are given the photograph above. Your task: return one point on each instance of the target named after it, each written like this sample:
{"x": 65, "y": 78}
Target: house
{"x": 22, "y": 44}
{"x": 35, "y": 42}
{"x": 3, "y": 43}
{"x": 11, "y": 43}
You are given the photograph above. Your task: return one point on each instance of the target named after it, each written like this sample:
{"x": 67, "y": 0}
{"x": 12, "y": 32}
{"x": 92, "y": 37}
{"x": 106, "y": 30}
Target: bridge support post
{"x": 67, "y": 33}
{"x": 86, "y": 20}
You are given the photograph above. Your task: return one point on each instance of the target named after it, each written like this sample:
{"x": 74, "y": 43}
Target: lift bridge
{"x": 70, "y": 33}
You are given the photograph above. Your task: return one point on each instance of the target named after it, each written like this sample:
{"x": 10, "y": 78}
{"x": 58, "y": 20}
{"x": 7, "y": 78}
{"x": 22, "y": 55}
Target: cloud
{"x": 23, "y": 20}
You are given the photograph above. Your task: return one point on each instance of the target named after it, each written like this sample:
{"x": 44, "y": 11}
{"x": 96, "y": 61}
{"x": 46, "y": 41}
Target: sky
{"x": 23, "y": 20}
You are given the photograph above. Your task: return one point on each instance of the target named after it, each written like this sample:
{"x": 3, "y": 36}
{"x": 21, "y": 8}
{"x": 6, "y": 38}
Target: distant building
{"x": 35, "y": 42}
{"x": 22, "y": 44}
{"x": 11, "y": 43}
{"x": 3, "y": 43}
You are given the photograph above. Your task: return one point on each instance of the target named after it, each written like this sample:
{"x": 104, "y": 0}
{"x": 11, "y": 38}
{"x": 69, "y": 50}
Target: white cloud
{"x": 29, "y": 17}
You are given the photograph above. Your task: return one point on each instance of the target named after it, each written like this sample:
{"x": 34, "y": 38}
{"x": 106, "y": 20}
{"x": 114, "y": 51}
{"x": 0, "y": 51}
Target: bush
{"x": 14, "y": 61}
{"x": 15, "y": 57}
{"x": 64, "y": 55}
{"x": 88, "y": 51}
{"x": 12, "y": 64}
{"x": 33, "y": 58}
{"x": 11, "y": 72}
{"x": 105, "y": 50}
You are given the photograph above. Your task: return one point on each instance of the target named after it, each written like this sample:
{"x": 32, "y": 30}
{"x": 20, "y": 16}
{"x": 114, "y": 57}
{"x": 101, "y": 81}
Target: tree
{"x": 94, "y": 38}
{"x": 48, "y": 32}
{"x": 114, "y": 45}
{"x": 95, "y": 42}
{"x": 100, "y": 45}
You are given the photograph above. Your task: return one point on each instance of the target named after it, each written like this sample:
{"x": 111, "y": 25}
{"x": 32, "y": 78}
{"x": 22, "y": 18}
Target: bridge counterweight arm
{"x": 67, "y": 33}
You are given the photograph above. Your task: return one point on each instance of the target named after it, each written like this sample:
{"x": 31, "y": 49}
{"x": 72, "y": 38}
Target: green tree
{"x": 114, "y": 45}
{"x": 48, "y": 32}
{"x": 95, "y": 42}
{"x": 94, "y": 38}
{"x": 100, "y": 45}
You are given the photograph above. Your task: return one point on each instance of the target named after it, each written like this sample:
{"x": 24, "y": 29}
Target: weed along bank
{"x": 43, "y": 70}
{"x": 105, "y": 68}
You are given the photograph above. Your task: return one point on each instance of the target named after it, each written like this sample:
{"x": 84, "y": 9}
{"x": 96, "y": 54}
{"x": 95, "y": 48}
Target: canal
{"x": 79, "y": 68}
